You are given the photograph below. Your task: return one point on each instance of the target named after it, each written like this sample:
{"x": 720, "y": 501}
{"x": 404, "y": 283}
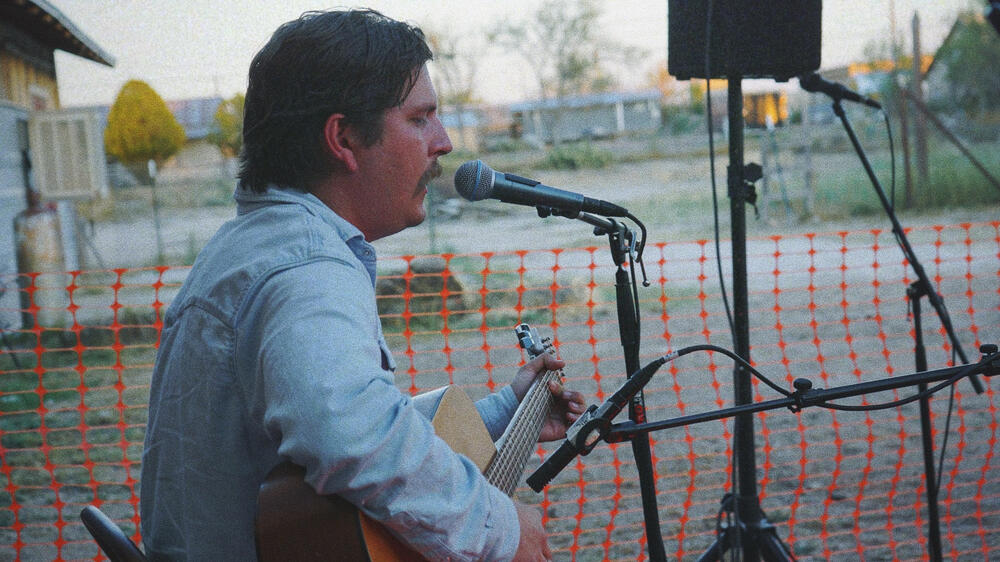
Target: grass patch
{"x": 954, "y": 182}
{"x": 575, "y": 156}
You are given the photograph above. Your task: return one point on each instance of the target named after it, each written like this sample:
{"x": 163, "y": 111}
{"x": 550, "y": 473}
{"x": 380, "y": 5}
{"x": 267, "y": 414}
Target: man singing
{"x": 273, "y": 351}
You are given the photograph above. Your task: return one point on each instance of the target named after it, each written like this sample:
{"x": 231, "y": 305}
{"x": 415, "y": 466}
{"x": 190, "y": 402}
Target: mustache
{"x": 435, "y": 170}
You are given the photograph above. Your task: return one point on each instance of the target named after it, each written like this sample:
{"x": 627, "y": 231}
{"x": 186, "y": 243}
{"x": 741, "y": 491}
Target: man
{"x": 273, "y": 351}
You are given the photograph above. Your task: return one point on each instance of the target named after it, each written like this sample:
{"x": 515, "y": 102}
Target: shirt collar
{"x": 247, "y": 201}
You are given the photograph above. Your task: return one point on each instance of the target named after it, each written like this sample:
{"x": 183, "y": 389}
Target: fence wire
{"x": 830, "y": 307}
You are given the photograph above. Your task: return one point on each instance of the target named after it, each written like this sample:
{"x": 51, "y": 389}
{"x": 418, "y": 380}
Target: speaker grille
{"x": 750, "y": 38}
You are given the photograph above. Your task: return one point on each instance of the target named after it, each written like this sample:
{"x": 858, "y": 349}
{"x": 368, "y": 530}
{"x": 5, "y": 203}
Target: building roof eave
{"x": 54, "y": 29}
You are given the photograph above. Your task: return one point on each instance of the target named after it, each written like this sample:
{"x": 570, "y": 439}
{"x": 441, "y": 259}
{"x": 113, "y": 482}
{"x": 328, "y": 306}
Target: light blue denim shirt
{"x": 273, "y": 350}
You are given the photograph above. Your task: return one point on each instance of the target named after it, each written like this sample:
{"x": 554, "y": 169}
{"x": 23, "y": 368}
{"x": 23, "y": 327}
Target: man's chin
{"x": 418, "y": 216}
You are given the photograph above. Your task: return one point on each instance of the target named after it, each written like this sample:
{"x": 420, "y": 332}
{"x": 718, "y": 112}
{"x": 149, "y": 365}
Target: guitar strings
{"x": 508, "y": 465}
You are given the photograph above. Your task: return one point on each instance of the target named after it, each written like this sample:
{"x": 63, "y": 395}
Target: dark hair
{"x": 357, "y": 62}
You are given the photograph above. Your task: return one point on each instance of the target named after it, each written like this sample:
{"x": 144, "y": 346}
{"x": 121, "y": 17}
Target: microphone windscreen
{"x": 474, "y": 180}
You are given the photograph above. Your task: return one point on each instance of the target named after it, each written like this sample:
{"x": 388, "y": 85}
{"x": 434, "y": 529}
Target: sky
{"x": 196, "y": 48}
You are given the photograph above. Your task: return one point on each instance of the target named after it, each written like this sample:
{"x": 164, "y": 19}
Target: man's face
{"x": 402, "y": 162}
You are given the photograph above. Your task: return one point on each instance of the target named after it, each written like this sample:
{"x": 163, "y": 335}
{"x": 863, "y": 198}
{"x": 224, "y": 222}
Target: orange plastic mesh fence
{"x": 829, "y": 307}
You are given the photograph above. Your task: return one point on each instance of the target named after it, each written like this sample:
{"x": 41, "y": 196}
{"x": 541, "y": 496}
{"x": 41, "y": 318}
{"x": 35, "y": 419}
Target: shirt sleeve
{"x": 497, "y": 409}
{"x": 334, "y": 410}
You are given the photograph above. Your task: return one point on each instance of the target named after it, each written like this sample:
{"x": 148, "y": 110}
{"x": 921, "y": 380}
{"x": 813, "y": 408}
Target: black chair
{"x": 110, "y": 538}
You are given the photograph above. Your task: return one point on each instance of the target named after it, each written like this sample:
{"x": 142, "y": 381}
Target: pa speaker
{"x": 751, "y": 38}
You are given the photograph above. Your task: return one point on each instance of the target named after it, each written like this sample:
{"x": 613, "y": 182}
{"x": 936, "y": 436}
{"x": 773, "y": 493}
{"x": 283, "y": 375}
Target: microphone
{"x": 475, "y": 181}
{"x": 813, "y": 82}
{"x": 593, "y": 425}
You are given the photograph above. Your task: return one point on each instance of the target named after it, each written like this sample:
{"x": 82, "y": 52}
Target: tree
{"x": 141, "y": 127}
{"x": 227, "y": 126}
{"x": 560, "y": 44}
{"x": 661, "y": 79}
{"x": 142, "y": 133}
{"x": 969, "y": 55}
{"x": 456, "y": 66}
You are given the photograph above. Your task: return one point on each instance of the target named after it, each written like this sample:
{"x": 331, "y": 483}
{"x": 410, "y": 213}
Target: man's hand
{"x": 568, "y": 404}
{"x": 534, "y": 545}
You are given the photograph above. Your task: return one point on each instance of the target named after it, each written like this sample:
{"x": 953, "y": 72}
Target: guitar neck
{"x": 515, "y": 446}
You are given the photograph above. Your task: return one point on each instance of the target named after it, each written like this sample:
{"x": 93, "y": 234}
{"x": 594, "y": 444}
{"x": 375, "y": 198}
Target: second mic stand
{"x": 596, "y": 424}
{"x": 920, "y": 288}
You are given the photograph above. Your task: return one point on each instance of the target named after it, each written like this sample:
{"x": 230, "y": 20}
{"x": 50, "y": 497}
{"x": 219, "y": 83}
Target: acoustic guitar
{"x": 295, "y": 523}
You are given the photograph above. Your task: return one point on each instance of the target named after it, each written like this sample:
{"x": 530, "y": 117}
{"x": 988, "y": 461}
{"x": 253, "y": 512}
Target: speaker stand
{"x": 750, "y": 531}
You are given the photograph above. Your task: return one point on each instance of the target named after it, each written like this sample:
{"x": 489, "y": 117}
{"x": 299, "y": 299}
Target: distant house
{"x": 196, "y": 115}
{"x": 198, "y": 157}
{"x": 463, "y": 128}
{"x": 869, "y": 79}
{"x": 30, "y": 33}
{"x": 587, "y": 116}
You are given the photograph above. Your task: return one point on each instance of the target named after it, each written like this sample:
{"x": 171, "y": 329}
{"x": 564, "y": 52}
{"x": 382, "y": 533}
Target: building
{"x": 587, "y": 116}
{"x": 30, "y": 33}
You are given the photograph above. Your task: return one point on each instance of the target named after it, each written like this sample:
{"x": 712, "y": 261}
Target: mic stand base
{"x": 758, "y": 535}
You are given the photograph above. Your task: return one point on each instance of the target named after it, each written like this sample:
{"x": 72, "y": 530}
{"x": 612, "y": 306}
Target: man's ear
{"x": 339, "y": 141}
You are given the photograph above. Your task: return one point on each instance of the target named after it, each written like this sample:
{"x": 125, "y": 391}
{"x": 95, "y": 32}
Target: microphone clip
{"x": 545, "y": 212}
{"x": 587, "y": 430}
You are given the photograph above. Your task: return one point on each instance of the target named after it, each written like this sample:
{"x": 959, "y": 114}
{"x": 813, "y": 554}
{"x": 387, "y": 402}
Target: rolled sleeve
{"x": 333, "y": 409}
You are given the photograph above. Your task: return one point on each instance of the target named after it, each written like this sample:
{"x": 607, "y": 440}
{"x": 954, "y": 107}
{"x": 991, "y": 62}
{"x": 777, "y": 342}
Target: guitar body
{"x": 295, "y": 523}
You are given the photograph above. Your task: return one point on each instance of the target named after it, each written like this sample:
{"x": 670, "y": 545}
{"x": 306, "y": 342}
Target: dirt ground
{"x": 834, "y": 483}
{"x": 672, "y": 196}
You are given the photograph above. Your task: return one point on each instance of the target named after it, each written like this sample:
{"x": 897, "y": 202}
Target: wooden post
{"x": 908, "y": 199}
{"x": 919, "y": 123}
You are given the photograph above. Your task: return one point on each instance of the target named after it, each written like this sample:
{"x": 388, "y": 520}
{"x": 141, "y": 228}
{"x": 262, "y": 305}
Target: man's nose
{"x": 442, "y": 143}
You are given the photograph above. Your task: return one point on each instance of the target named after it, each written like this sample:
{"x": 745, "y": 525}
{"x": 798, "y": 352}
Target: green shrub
{"x": 575, "y": 156}
{"x": 227, "y": 126}
{"x": 141, "y": 127}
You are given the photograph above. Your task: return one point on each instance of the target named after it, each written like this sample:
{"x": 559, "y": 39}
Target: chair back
{"x": 110, "y": 538}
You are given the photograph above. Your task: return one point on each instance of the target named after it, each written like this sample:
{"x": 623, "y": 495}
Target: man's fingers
{"x": 551, "y": 362}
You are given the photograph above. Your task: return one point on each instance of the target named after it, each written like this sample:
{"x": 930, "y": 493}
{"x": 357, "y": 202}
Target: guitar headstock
{"x": 531, "y": 342}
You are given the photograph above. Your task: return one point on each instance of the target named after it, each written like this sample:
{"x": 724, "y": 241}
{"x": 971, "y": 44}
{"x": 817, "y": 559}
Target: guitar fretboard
{"x": 514, "y": 447}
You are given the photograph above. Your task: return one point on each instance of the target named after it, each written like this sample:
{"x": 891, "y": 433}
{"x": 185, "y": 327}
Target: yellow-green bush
{"x": 227, "y": 126}
{"x": 141, "y": 127}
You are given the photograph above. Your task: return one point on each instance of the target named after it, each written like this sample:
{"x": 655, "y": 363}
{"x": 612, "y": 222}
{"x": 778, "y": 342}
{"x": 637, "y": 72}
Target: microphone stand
{"x": 596, "y": 423}
{"x": 622, "y": 244}
{"x": 803, "y": 397}
{"x": 922, "y": 287}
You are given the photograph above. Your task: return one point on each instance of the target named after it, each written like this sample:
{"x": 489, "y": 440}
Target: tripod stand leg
{"x": 715, "y": 552}
{"x": 759, "y": 539}
{"x": 769, "y": 545}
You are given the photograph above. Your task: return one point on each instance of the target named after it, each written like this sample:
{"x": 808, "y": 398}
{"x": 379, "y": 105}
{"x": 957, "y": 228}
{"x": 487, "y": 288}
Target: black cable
{"x": 951, "y": 394}
{"x": 927, "y": 393}
{"x": 735, "y": 553}
{"x": 738, "y": 359}
{"x": 639, "y": 249}
{"x": 969, "y": 369}
{"x": 944, "y": 440}
{"x": 711, "y": 163}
